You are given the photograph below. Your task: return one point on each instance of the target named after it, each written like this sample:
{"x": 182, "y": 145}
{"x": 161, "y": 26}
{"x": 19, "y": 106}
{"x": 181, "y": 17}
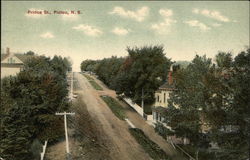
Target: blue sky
{"x": 106, "y": 28}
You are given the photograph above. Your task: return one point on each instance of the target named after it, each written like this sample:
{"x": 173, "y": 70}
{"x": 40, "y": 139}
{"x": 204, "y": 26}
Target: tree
{"x": 223, "y": 60}
{"x": 216, "y": 97}
{"x": 145, "y": 68}
{"x": 31, "y": 53}
{"x": 29, "y": 101}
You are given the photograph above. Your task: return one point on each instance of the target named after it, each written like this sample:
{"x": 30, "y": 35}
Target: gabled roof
{"x": 22, "y": 57}
{"x": 167, "y": 86}
{"x": 3, "y": 56}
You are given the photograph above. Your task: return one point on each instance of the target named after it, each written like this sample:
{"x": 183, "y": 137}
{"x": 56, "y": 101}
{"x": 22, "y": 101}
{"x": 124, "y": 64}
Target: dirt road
{"x": 114, "y": 132}
{"x": 139, "y": 122}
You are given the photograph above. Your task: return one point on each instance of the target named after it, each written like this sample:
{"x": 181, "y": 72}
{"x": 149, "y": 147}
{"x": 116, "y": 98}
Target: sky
{"x": 102, "y": 29}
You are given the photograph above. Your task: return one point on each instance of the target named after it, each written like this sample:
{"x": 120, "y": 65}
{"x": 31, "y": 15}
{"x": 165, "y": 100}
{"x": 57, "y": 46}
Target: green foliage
{"x": 154, "y": 151}
{"x": 145, "y": 67}
{"x": 224, "y": 60}
{"x": 36, "y": 149}
{"x": 31, "y": 53}
{"x": 88, "y": 65}
{"x": 93, "y": 83}
{"x": 115, "y": 107}
{"x": 162, "y": 131}
{"x": 88, "y": 77}
{"x": 29, "y": 102}
{"x": 215, "y": 96}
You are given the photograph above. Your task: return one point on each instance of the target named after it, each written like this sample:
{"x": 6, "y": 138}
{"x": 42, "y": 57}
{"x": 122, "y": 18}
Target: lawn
{"x": 154, "y": 151}
{"x": 93, "y": 83}
{"x": 115, "y": 107}
{"x": 88, "y": 77}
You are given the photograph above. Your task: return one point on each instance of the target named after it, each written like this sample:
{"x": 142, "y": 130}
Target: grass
{"x": 88, "y": 77}
{"x": 93, "y": 83}
{"x": 154, "y": 151}
{"x": 115, "y": 107}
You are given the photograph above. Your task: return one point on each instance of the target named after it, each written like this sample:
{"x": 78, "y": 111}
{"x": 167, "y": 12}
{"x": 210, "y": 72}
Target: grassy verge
{"x": 154, "y": 151}
{"x": 88, "y": 77}
{"x": 115, "y": 107}
{"x": 93, "y": 83}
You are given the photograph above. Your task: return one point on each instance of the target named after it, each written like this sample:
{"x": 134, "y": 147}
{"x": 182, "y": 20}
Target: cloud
{"x": 165, "y": 26}
{"x": 138, "y": 15}
{"x": 88, "y": 30}
{"x": 166, "y": 12}
{"x": 196, "y": 23}
{"x": 195, "y": 10}
{"x": 216, "y": 24}
{"x": 47, "y": 35}
{"x": 211, "y": 14}
{"x": 35, "y": 13}
{"x": 120, "y": 31}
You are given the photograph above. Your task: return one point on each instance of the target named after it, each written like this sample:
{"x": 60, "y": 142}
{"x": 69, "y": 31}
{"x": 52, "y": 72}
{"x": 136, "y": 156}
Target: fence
{"x": 134, "y": 105}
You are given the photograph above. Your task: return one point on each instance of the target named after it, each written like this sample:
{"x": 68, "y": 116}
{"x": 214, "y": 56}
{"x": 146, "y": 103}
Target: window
{"x": 11, "y": 60}
{"x": 164, "y": 97}
{"x": 158, "y": 98}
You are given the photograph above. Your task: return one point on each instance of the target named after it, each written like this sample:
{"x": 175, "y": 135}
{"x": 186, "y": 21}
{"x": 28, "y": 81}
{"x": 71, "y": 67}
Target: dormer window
{"x": 11, "y": 60}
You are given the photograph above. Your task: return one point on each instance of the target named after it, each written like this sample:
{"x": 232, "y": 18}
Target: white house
{"x": 11, "y": 63}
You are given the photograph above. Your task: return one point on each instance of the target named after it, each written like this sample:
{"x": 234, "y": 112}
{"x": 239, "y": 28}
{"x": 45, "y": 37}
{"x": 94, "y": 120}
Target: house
{"x": 161, "y": 99}
{"x": 11, "y": 63}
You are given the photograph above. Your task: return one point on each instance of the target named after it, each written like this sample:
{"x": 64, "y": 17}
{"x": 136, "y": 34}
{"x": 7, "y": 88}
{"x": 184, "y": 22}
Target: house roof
{"x": 22, "y": 57}
{"x": 3, "y": 56}
{"x": 167, "y": 86}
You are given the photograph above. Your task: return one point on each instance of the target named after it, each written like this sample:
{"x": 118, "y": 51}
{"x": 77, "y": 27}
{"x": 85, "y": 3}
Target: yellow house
{"x": 161, "y": 99}
{"x": 11, "y": 63}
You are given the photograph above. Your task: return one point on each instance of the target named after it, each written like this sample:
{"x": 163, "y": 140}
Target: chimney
{"x": 8, "y": 51}
{"x": 170, "y": 78}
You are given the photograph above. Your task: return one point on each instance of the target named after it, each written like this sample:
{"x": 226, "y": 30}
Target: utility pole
{"x": 65, "y": 126}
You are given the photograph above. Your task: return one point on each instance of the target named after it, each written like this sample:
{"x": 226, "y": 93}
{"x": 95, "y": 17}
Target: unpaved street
{"x": 139, "y": 122}
{"x": 120, "y": 144}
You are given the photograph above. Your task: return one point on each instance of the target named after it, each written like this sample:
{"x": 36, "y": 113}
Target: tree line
{"x": 29, "y": 101}
{"x": 143, "y": 70}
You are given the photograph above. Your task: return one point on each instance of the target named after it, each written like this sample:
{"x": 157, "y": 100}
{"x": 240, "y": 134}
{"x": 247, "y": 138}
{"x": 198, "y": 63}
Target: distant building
{"x": 11, "y": 63}
{"x": 161, "y": 99}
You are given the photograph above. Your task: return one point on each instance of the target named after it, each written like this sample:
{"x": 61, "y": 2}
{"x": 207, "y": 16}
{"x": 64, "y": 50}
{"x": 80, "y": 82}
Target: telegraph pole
{"x": 65, "y": 126}
{"x": 71, "y": 89}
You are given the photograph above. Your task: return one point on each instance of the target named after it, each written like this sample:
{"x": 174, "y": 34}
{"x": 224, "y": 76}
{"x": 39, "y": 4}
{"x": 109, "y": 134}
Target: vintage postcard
{"x": 125, "y": 80}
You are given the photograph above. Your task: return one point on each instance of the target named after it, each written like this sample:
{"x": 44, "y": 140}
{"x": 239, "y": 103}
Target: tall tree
{"x": 29, "y": 103}
{"x": 146, "y": 69}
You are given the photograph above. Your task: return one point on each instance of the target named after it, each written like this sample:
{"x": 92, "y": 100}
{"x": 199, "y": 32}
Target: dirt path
{"x": 120, "y": 144}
